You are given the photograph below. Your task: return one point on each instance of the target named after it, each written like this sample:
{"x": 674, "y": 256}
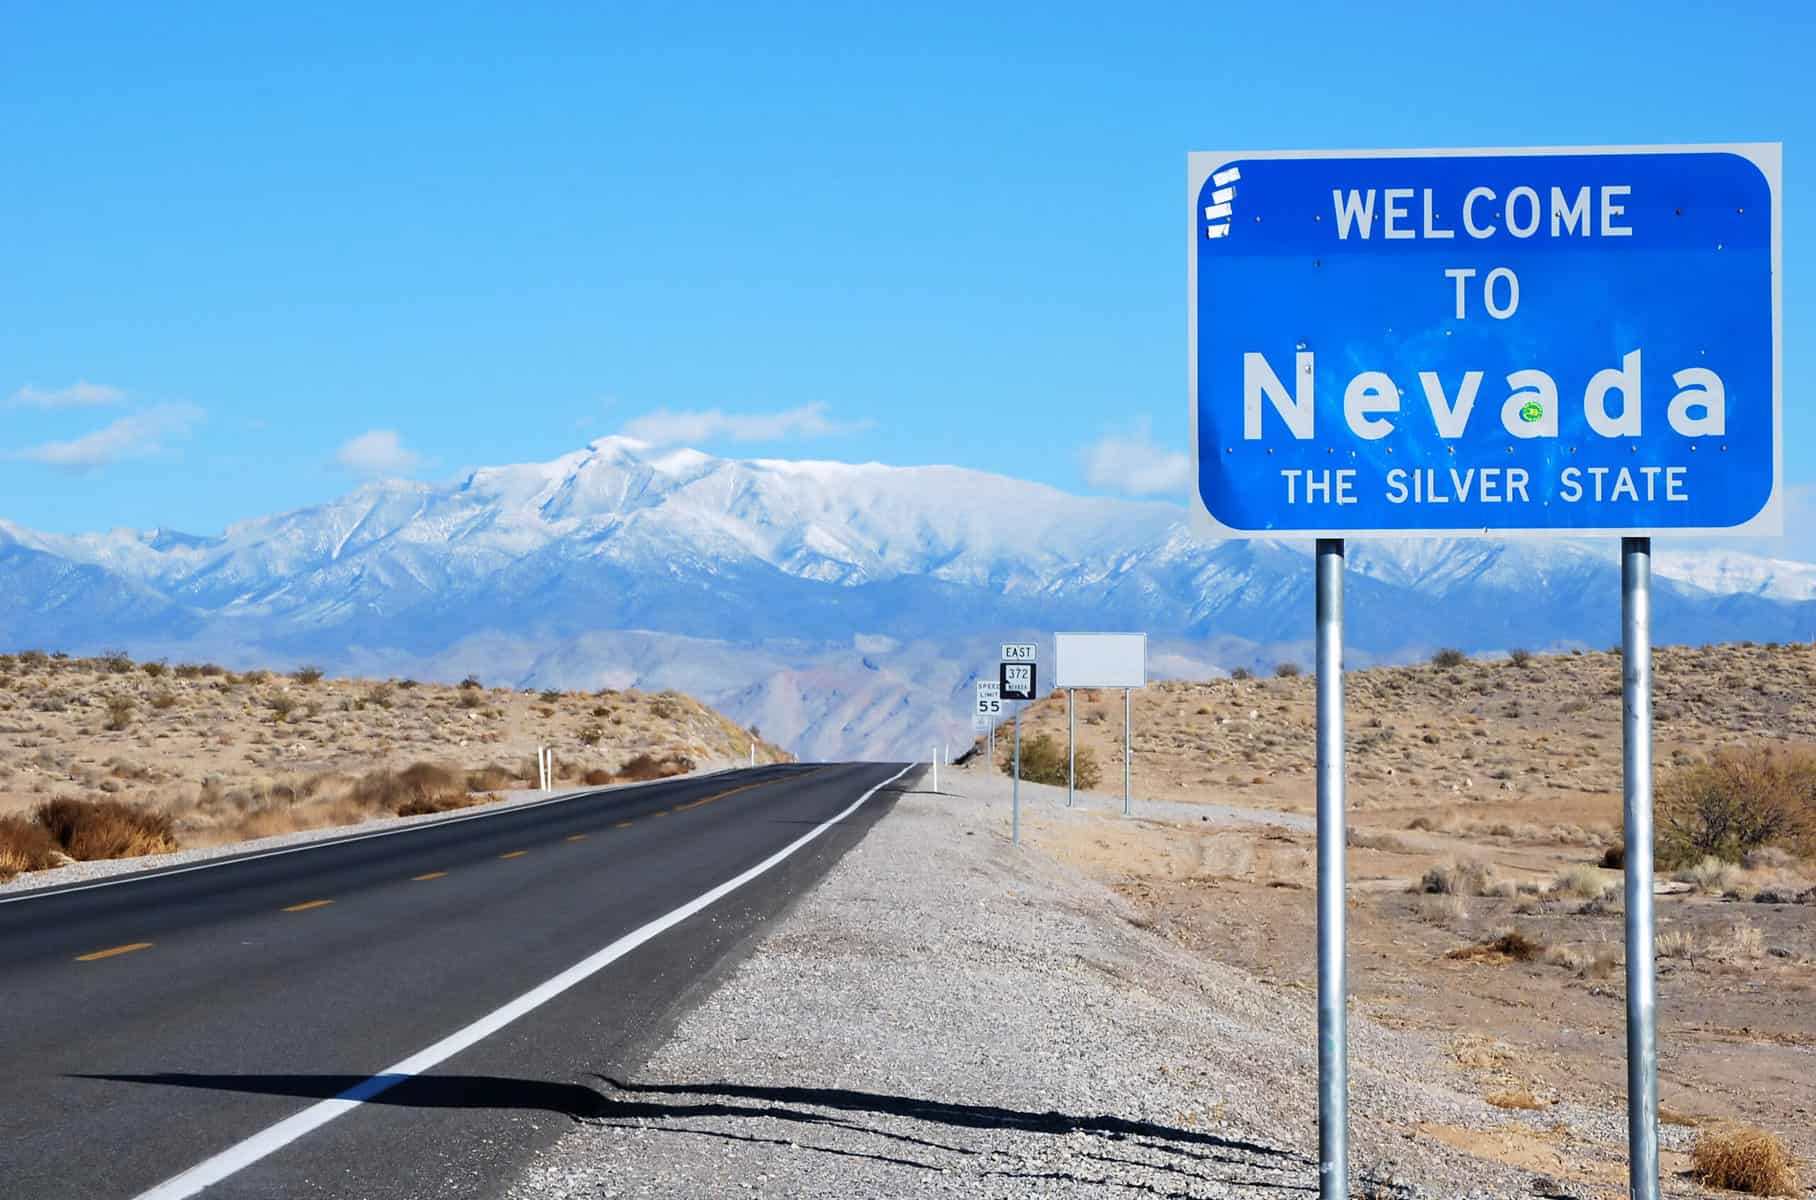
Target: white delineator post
{"x": 936, "y": 768}
{"x": 1128, "y": 740}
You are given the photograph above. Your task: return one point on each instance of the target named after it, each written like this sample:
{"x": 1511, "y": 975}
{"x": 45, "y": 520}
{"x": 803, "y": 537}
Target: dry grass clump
{"x": 1460, "y": 879}
{"x": 1443, "y": 910}
{"x": 1712, "y": 876}
{"x": 24, "y": 846}
{"x": 490, "y": 778}
{"x": 1742, "y": 1158}
{"x": 92, "y": 829}
{"x": 1512, "y": 946}
{"x": 119, "y": 713}
{"x": 1520, "y": 1099}
{"x": 1580, "y": 881}
{"x": 1375, "y": 839}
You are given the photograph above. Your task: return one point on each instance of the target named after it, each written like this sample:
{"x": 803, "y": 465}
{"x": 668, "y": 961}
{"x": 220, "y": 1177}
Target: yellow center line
{"x": 109, "y": 953}
{"x": 747, "y": 787}
{"x": 308, "y": 905}
{"x": 430, "y": 875}
{"x": 662, "y": 813}
{"x": 624, "y": 824}
{"x": 514, "y": 854}
{"x": 576, "y": 837}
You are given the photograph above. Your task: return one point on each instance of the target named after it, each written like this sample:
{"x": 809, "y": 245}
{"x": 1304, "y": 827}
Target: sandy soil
{"x": 247, "y": 755}
{"x": 1513, "y": 767}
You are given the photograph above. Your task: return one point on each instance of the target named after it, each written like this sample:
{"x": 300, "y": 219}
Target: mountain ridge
{"x": 844, "y": 606}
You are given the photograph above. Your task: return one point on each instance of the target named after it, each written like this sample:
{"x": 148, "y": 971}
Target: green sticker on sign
{"x": 1532, "y": 411}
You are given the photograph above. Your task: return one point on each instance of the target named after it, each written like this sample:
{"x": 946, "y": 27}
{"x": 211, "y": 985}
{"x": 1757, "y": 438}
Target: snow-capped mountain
{"x": 842, "y": 607}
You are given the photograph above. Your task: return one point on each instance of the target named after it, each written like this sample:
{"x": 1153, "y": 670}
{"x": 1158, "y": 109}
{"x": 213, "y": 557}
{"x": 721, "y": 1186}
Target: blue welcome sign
{"x": 1442, "y": 343}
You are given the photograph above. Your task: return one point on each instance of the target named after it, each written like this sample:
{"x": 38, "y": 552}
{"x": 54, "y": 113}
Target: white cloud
{"x": 139, "y": 435}
{"x": 668, "y": 427}
{"x": 1136, "y": 466}
{"x": 376, "y": 452}
{"x": 80, "y": 394}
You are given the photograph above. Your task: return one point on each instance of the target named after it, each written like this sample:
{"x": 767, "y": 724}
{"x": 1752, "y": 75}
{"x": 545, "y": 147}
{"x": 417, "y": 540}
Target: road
{"x": 460, "y": 986}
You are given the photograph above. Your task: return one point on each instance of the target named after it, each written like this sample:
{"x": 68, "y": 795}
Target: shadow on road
{"x": 649, "y": 1102}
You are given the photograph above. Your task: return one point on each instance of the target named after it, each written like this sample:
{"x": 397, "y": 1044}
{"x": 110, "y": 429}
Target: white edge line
{"x": 51, "y": 890}
{"x": 268, "y": 1141}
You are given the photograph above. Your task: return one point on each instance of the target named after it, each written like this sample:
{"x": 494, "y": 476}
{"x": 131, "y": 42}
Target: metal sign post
{"x": 1333, "y": 981}
{"x": 1128, "y": 742}
{"x": 1071, "y": 743}
{"x": 1561, "y": 341}
{"x": 1016, "y": 681}
{"x": 1636, "y": 804}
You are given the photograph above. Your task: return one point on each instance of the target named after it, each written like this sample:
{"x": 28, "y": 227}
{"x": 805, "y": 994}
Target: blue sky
{"x": 253, "y": 254}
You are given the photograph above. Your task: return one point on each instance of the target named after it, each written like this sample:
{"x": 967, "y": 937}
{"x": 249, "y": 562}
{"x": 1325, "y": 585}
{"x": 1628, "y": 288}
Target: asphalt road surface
{"x": 400, "y": 1016}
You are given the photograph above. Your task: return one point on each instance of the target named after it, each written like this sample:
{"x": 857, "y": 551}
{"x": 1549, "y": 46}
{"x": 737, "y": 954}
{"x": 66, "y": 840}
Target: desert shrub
{"x": 1614, "y": 858}
{"x": 119, "y": 712}
{"x": 592, "y": 735}
{"x": 92, "y": 829}
{"x": 33, "y": 658}
{"x": 282, "y": 705}
{"x": 1737, "y": 801}
{"x": 551, "y": 695}
{"x": 256, "y": 675}
{"x": 666, "y": 707}
{"x": 1242, "y": 673}
{"x": 406, "y": 684}
{"x": 471, "y": 684}
{"x": 213, "y": 669}
{"x": 1459, "y": 879}
{"x": 1519, "y": 656}
{"x": 307, "y": 674}
{"x": 1449, "y": 656}
{"x": 379, "y": 694}
{"x": 1285, "y": 670}
{"x": 1744, "y": 1159}
{"x": 1375, "y": 839}
{"x": 164, "y": 699}
{"x": 598, "y": 777}
{"x": 154, "y": 669}
{"x": 116, "y": 662}
{"x": 1043, "y": 760}
{"x": 419, "y": 788}
{"x": 24, "y": 846}
{"x": 646, "y": 766}
{"x": 490, "y": 778}
{"x": 472, "y": 699}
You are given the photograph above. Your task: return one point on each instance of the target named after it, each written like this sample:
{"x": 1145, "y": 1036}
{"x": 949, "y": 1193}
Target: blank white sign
{"x": 1106, "y": 660}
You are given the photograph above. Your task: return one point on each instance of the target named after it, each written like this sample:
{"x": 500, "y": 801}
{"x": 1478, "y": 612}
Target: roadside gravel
{"x": 950, "y": 1015}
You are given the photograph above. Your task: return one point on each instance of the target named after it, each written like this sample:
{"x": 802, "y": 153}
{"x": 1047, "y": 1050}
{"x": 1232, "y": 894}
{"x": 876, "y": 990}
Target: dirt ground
{"x": 246, "y": 755}
{"x": 1515, "y": 770}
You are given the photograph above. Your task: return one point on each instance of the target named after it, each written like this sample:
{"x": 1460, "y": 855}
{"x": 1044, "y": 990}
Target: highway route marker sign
{"x": 1018, "y": 680}
{"x": 1018, "y": 652}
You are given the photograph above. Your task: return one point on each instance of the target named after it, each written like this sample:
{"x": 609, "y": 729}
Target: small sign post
{"x": 1444, "y": 343}
{"x": 1017, "y": 683}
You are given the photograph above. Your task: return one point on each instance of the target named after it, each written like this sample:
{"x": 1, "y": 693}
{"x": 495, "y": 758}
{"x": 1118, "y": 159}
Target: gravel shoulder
{"x": 951, "y": 1015}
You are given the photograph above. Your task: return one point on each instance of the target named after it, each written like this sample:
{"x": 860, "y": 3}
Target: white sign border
{"x": 1767, "y": 522}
